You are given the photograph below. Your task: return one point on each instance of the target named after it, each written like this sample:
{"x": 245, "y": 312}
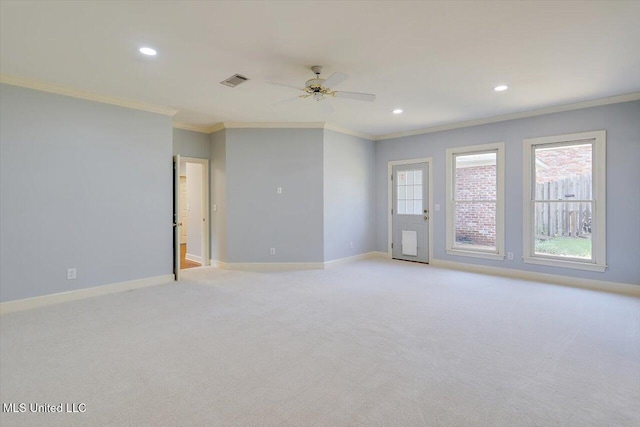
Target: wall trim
{"x": 634, "y": 96}
{"x": 216, "y": 127}
{"x": 275, "y": 266}
{"x": 349, "y": 259}
{"x": 51, "y": 299}
{"x": 335, "y": 128}
{"x": 273, "y": 125}
{"x": 574, "y": 282}
{"x": 194, "y": 258}
{"x": 192, "y": 127}
{"x": 270, "y": 125}
{"x": 221, "y": 265}
{"x": 269, "y": 266}
{"x": 75, "y": 93}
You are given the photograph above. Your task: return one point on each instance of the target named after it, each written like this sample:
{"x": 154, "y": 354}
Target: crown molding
{"x": 191, "y": 127}
{"x": 74, "y": 93}
{"x": 269, "y": 125}
{"x": 215, "y": 128}
{"x": 634, "y": 96}
{"x": 273, "y": 125}
{"x": 330, "y": 126}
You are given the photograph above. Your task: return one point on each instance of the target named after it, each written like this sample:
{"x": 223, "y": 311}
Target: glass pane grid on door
{"x": 409, "y": 192}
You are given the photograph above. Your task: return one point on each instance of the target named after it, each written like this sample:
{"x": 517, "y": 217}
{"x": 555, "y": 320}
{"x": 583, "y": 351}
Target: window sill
{"x": 566, "y": 264}
{"x": 473, "y": 254}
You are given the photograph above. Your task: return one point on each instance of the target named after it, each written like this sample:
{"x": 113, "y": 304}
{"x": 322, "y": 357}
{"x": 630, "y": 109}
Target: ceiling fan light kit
{"x": 318, "y": 89}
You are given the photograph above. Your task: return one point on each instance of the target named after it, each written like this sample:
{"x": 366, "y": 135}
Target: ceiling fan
{"x": 320, "y": 89}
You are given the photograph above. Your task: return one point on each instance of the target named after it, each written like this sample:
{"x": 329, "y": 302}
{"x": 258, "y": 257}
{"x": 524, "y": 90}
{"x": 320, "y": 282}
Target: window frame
{"x": 598, "y": 233}
{"x": 451, "y": 249}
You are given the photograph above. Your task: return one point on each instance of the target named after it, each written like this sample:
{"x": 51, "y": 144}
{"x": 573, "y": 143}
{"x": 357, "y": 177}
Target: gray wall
{"x": 349, "y": 195}
{"x": 218, "y": 199}
{"x": 257, "y": 162}
{"x": 188, "y": 143}
{"x": 83, "y": 185}
{"x": 622, "y": 123}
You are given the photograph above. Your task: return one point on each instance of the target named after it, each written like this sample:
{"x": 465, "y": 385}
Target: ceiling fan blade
{"x": 286, "y": 85}
{"x": 356, "y": 95}
{"x": 326, "y": 106}
{"x": 334, "y": 80}
{"x": 285, "y": 101}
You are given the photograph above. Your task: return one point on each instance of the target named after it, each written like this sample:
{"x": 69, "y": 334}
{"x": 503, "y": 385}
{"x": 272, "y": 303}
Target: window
{"x": 475, "y": 201}
{"x": 564, "y": 201}
{"x": 409, "y": 192}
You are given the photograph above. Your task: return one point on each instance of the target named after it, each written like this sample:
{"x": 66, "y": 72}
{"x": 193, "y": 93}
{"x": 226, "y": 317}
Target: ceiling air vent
{"x": 234, "y": 80}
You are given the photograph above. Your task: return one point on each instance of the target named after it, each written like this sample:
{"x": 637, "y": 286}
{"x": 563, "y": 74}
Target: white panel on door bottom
{"x": 409, "y": 242}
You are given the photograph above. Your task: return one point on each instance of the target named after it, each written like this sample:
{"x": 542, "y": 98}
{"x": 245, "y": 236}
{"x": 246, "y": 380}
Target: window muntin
{"x": 563, "y": 200}
{"x": 564, "y": 195}
{"x": 409, "y": 192}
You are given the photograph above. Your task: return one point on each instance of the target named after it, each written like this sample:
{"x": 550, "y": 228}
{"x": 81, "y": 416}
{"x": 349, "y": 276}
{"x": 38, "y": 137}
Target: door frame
{"x": 390, "y": 165}
{"x": 206, "y": 237}
{"x": 175, "y": 228}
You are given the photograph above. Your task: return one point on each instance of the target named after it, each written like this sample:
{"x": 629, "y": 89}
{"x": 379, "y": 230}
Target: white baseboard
{"x": 194, "y": 258}
{"x": 218, "y": 264}
{"x": 275, "y": 266}
{"x": 272, "y": 266}
{"x": 340, "y": 261}
{"x": 44, "y": 300}
{"x": 576, "y": 282}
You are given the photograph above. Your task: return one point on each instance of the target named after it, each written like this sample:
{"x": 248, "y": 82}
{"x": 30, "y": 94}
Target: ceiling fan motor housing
{"x": 314, "y": 83}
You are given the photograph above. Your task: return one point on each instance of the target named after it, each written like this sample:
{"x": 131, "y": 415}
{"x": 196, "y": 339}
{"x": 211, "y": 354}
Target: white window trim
{"x": 599, "y": 238}
{"x": 498, "y": 254}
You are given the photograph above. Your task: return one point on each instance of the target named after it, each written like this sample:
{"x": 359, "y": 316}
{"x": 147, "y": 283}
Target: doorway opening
{"x": 191, "y": 213}
{"x": 409, "y": 210}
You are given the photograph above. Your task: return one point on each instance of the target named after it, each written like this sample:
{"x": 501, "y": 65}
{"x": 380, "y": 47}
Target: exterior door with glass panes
{"x": 410, "y": 212}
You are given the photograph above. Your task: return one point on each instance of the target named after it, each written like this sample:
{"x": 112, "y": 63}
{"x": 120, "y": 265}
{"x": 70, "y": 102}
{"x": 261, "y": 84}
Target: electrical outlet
{"x": 279, "y": 190}
{"x": 272, "y": 251}
{"x": 351, "y": 245}
{"x": 71, "y": 273}
{"x": 215, "y": 207}
{"x": 509, "y": 255}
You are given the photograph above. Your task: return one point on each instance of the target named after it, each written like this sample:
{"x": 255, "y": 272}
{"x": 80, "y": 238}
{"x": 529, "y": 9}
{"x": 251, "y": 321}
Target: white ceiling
{"x": 438, "y": 61}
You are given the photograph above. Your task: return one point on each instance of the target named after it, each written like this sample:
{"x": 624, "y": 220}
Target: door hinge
{"x": 391, "y": 211}
{"x": 391, "y": 177}
{"x": 392, "y": 246}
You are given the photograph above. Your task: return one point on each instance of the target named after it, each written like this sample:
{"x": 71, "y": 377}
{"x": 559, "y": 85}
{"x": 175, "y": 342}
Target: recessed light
{"x": 397, "y": 111}
{"x": 148, "y": 51}
{"x": 501, "y": 88}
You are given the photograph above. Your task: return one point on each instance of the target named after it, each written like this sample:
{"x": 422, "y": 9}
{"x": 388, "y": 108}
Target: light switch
{"x": 437, "y": 206}
{"x": 279, "y": 190}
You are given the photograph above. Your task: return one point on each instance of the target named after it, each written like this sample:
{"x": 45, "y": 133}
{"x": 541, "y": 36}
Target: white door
{"x": 410, "y": 212}
{"x": 176, "y": 217}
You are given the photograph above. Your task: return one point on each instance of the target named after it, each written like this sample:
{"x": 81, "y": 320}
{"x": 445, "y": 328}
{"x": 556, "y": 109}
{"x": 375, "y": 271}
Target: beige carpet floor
{"x": 372, "y": 343}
